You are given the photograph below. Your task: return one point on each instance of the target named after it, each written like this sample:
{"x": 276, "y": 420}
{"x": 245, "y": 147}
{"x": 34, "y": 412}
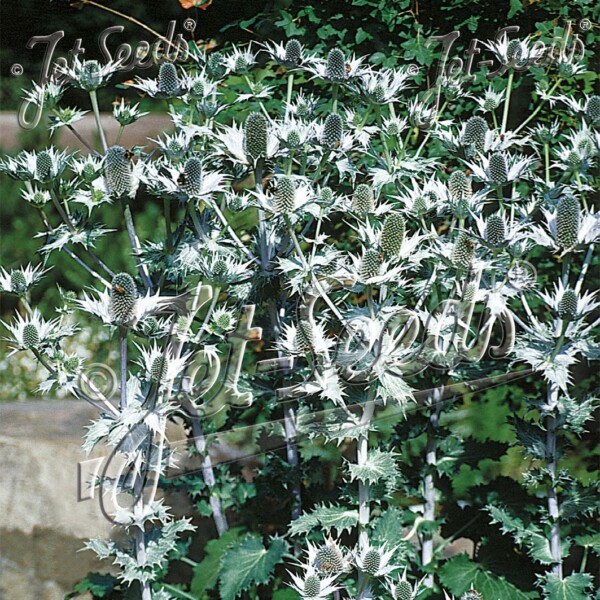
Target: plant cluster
{"x": 391, "y": 258}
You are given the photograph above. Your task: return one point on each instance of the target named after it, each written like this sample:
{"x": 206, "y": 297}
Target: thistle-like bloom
{"x": 176, "y": 146}
{"x": 119, "y": 175}
{"x": 290, "y": 195}
{"x": 313, "y": 587}
{"x": 500, "y": 168}
{"x": 568, "y": 304}
{"x": 331, "y": 135}
{"x": 239, "y": 61}
{"x": 291, "y": 55}
{"x": 499, "y": 232}
{"x": 402, "y": 589}
{"x": 90, "y": 75}
{"x": 186, "y": 181}
{"x": 328, "y": 558}
{"x": 33, "y": 332}
{"x": 126, "y": 114}
{"x": 103, "y": 306}
{"x": 567, "y": 228}
{"x": 423, "y": 115}
{"x": 303, "y": 107}
{"x": 234, "y": 140}
{"x": 88, "y": 167}
{"x": 300, "y": 338}
{"x": 169, "y": 83}
{"x": 293, "y": 133}
{"x": 19, "y": 281}
{"x": 514, "y": 53}
{"x": 36, "y": 196}
{"x": 43, "y": 166}
{"x": 490, "y": 101}
{"x": 375, "y": 561}
{"x": 47, "y": 95}
{"x": 160, "y": 366}
{"x": 337, "y": 68}
{"x": 65, "y": 117}
{"x": 382, "y": 86}
{"x": 92, "y": 195}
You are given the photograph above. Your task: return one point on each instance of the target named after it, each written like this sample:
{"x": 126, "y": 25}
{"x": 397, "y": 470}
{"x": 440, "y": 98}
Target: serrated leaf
{"x": 531, "y": 437}
{"x": 573, "y": 587}
{"x": 248, "y": 563}
{"x": 589, "y": 541}
{"x": 459, "y": 574}
{"x": 389, "y": 527}
{"x": 325, "y": 518}
{"x": 206, "y": 573}
{"x": 379, "y": 466}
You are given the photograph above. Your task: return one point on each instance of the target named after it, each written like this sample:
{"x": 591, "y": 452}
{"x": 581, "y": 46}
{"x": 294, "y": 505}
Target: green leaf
{"x": 459, "y": 574}
{"x": 325, "y": 518}
{"x": 572, "y": 587}
{"x": 362, "y": 35}
{"x": 516, "y": 6}
{"x": 379, "y": 466}
{"x": 206, "y": 573}
{"x": 589, "y": 541}
{"x": 248, "y": 563}
{"x": 98, "y": 584}
{"x": 389, "y": 527}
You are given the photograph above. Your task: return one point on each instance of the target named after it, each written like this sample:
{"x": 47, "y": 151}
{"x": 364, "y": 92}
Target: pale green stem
{"x": 94, "y": 101}
{"x": 511, "y": 75}
{"x": 538, "y": 108}
{"x": 334, "y": 95}
{"x": 547, "y": 162}
{"x": 135, "y": 246}
{"x": 290, "y": 87}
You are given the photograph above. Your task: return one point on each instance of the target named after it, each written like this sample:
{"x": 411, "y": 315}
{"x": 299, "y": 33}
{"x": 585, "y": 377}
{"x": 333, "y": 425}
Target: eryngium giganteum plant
{"x": 392, "y": 256}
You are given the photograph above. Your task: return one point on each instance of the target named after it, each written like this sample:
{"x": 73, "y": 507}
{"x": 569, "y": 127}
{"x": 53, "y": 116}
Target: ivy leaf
{"x": 206, "y": 573}
{"x": 516, "y": 6}
{"x": 459, "y": 574}
{"x": 325, "y": 518}
{"x": 247, "y": 563}
{"x": 572, "y": 587}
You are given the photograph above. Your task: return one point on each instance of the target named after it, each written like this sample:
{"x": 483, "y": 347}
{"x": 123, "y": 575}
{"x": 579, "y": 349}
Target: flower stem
{"x": 538, "y": 108}
{"x": 511, "y": 75}
{"x": 334, "y": 95}
{"x": 547, "y": 162}
{"x": 135, "y": 246}
{"x": 94, "y": 101}
{"x": 123, "y": 365}
{"x": 290, "y": 87}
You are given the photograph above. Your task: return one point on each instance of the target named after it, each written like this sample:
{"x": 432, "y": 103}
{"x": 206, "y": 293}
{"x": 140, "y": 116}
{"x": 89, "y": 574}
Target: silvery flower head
{"x": 19, "y": 281}
{"x": 303, "y": 107}
{"x": 375, "y": 560}
{"x": 500, "y": 168}
{"x": 92, "y": 195}
{"x": 169, "y": 82}
{"x": 290, "y": 55}
{"x": 291, "y": 194}
{"x": 421, "y": 114}
{"x": 175, "y": 146}
{"x": 247, "y": 143}
{"x": 513, "y": 53}
{"x": 47, "y": 95}
{"x": 311, "y": 586}
{"x": 33, "y": 332}
{"x": 64, "y": 117}
{"x": 36, "y": 196}
{"x": 402, "y": 589}
{"x": 126, "y": 114}
{"x": 87, "y": 167}
{"x": 328, "y": 558}
{"x": 160, "y": 366}
{"x": 490, "y": 101}
{"x": 382, "y": 86}
{"x": 239, "y": 61}
{"x": 43, "y": 166}
{"x": 293, "y": 133}
{"x": 569, "y": 304}
{"x": 336, "y": 68}
{"x": 545, "y": 133}
{"x": 90, "y": 75}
